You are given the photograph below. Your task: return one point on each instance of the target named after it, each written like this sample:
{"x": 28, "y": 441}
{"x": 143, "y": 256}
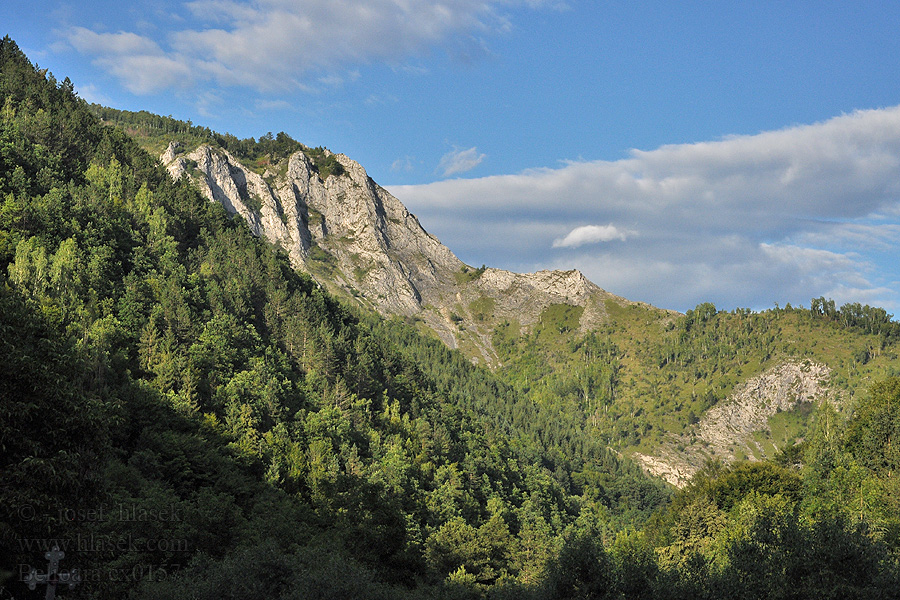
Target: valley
{"x": 255, "y": 344}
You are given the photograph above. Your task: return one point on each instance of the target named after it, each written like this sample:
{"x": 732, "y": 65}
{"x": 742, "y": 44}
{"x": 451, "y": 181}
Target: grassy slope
{"x": 664, "y": 378}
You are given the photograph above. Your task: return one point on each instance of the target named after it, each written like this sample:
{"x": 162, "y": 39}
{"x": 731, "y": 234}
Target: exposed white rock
{"x": 168, "y": 156}
{"x": 780, "y": 388}
{"x": 366, "y": 236}
{"x": 671, "y": 468}
{"x": 729, "y": 426}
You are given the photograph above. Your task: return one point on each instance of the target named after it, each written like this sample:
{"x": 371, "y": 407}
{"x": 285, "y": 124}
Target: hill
{"x": 178, "y": 398}
{"x": 672, "y": 391}
{"x": 186, "y": 415}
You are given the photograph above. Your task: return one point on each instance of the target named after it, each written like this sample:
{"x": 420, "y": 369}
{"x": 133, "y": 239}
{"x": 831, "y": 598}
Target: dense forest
{"x": 186, "y": 416}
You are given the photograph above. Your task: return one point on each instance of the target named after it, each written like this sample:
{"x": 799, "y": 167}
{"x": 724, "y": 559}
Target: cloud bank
{"x": 274, "y": 45}
{"x": 782, "y": 216}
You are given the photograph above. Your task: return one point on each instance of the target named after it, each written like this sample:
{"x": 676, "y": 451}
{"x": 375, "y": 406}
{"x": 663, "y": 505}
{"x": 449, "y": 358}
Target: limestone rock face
{"x": 344, "y": 229}
{"x": 358, "y": 240}
{"x": 526, "y": 295}
{"x": 781, "y": 388}
{"x": 730, "y": 425}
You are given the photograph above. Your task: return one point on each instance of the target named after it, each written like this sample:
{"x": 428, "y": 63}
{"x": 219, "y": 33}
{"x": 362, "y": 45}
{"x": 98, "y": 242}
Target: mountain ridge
{"x": 361, "y": 242}
{"x": 160, "y": 358}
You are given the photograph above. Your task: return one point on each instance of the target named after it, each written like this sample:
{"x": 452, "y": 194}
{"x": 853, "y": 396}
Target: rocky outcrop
{"x": 671, "y": 466}
{"x": 345, "y": 230}
{"x": 361, "y": 242}
{"x": 728, "y": 429}
{"x": 779, "y": 389}
{"x": 524, "y": 296}
{"x": 223, "y": 179}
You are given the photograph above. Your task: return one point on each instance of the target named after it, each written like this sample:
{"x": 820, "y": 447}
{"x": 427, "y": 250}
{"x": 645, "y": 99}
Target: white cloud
{"x": 381, "y": 99}
{"x": 459, "y": 161}
{"x": 275, "y": 45}
{"x": 780, "y": 216}
{"x": 273, "y": 105}
{"x": 882, "y": 237}
{"x": 137, "y": 61}
{"x": 121, "y": 43}
{"x": 591, "y": 234}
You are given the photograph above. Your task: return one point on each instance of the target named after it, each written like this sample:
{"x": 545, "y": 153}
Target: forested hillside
{"x": 201, "y": 372}
{"x": 643, "y": 384}
{"x": 188, "y": 417}
{"x": 590, "y": 367}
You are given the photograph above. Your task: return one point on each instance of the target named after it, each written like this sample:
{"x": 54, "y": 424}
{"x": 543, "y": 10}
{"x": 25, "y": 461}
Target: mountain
{"x": 360, "y": 242}
{"x": 671, "y": 416}
{"x": 186, "y": 415}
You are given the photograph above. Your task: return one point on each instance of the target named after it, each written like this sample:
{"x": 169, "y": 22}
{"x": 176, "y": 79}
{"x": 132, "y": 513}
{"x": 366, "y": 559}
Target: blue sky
{"x": 676, "y": 152}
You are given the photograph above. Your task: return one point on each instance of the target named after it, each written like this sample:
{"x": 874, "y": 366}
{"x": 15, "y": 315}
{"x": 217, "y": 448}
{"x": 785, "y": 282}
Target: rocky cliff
{"x": 357, "y": 239}
{"x": 740, "y": 426}
{"x": 344, "y": 230}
